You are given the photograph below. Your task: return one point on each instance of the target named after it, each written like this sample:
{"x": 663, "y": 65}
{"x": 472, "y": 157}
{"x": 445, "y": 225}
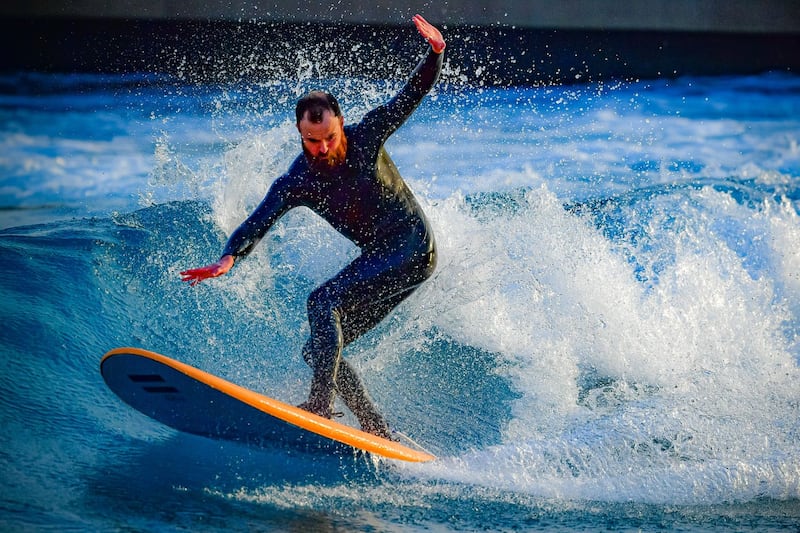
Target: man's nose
{"x": 323, "y": 147}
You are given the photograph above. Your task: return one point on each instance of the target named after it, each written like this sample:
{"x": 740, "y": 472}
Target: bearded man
{"x": 345, "y": 176}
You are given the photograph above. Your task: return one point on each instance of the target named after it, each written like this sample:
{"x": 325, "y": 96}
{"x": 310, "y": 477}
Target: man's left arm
{"x": 392, "y": 114}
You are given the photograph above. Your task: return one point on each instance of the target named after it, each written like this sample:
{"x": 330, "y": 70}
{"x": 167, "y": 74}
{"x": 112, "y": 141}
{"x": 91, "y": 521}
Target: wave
{"x": 640, "y": 347}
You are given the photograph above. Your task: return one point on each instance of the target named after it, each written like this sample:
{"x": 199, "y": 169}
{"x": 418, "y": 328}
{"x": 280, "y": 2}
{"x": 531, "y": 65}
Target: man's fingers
{"x": 430, "y": 33}
{"x": 422, "y": 25}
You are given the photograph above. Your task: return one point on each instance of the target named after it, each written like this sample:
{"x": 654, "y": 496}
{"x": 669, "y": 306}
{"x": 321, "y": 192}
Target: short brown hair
{"x": 316, "y": 103}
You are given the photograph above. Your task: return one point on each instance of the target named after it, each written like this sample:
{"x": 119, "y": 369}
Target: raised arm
{"x": 381, "y": 122}
{"x": 430, "y": 33}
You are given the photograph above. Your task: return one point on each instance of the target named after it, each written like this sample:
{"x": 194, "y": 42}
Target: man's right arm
{"x": 251, "y": 231}
{"x": 247, "y": 235}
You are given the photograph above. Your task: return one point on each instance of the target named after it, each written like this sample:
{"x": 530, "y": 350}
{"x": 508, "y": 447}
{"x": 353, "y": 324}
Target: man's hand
{"x": 430, "y": 33}
{"x": 195, "y": 275}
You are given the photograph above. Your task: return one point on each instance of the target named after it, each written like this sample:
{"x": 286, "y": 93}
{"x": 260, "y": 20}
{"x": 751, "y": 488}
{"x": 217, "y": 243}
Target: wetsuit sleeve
{"x": 384, "y": 120}
{"x": 277, "y": 201}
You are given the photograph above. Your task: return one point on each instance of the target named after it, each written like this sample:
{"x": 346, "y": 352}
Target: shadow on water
{"x": 193, "y": 482}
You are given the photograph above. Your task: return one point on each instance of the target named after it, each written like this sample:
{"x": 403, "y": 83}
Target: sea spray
{"x": 639, "y": 388}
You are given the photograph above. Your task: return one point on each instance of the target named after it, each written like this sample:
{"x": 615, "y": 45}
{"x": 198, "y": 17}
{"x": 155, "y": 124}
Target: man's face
{"x": 324, "y": 143}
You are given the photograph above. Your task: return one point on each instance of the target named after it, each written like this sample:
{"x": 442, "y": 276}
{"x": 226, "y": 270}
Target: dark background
{"x": 489, "y": 43}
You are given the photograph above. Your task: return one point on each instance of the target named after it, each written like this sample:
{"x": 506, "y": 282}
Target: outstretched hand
{"x": 430, "y": 33}
{"x": 195, "y": 275}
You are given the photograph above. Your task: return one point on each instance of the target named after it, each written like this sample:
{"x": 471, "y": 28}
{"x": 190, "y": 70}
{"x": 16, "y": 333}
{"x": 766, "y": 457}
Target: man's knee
{"x": 321, "y": 351}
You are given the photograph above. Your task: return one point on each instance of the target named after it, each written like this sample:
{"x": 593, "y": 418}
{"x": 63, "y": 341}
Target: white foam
{"x": 698, "y": 397}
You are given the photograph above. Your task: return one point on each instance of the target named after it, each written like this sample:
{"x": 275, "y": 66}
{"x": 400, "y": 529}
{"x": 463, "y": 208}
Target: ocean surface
{"x": 611, "y": 340}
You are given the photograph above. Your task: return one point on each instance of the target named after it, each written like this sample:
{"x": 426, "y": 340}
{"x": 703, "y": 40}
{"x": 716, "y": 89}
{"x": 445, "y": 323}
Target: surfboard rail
{"x": 330, "y": 429}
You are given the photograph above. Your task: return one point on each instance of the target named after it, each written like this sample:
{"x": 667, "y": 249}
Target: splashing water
{"x": 612, "y": 330}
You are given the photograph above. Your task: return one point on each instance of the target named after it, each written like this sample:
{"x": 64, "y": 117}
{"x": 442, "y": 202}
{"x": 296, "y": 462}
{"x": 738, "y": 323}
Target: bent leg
{"x": 340, "y": 311}
{"x": 323, "y": 351}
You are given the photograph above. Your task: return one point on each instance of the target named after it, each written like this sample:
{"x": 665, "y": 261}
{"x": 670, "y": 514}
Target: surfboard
{"x": 193, "y": 401}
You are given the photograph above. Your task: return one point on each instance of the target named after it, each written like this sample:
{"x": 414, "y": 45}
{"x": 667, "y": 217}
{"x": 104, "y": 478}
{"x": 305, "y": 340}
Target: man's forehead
{"x": 329, "y": 124}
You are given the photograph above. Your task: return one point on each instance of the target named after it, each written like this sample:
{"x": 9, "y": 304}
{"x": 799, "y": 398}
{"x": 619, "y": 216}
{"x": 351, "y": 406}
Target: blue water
{"x": 611, "y": 340}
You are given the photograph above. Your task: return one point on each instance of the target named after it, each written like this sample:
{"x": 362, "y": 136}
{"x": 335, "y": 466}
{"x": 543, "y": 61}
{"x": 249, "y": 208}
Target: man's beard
{"x": 330, "y": 161}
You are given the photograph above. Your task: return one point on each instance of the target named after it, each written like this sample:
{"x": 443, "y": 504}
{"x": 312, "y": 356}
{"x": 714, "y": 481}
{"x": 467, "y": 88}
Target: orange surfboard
{"x": 191, "y": 400}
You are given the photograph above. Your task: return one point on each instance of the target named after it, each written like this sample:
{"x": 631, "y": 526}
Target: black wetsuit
{"x": 367, "y": 201}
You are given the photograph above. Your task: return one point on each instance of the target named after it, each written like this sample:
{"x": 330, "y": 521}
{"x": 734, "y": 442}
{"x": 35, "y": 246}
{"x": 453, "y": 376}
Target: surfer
{"x": 345, "y": 175}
